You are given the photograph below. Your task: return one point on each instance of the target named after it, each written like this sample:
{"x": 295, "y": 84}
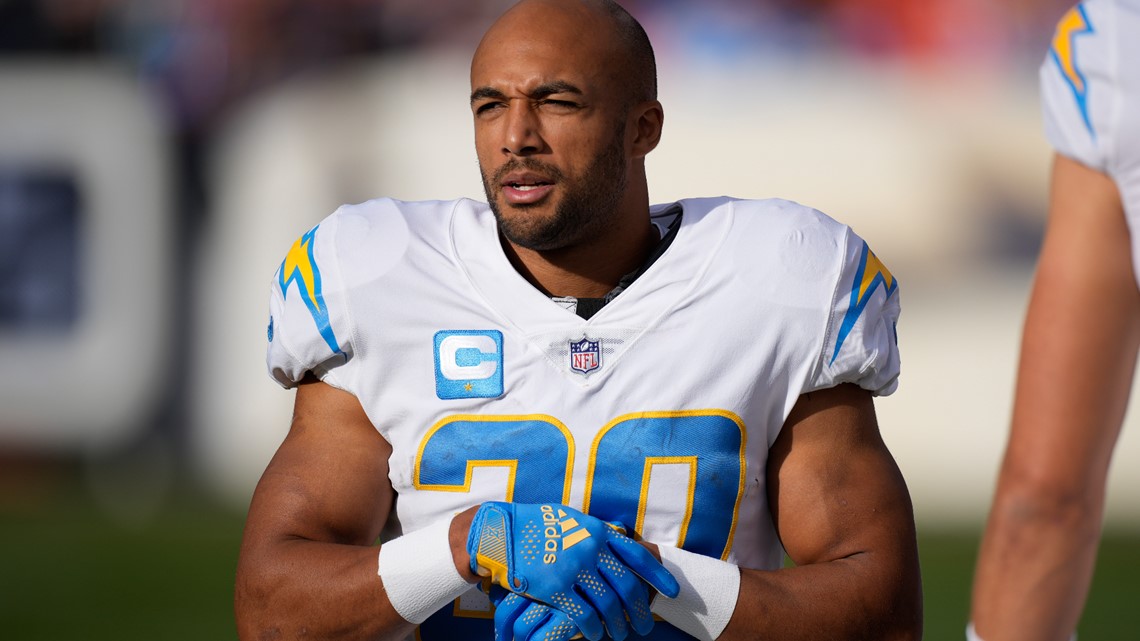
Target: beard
{"x": 587, "y": 202}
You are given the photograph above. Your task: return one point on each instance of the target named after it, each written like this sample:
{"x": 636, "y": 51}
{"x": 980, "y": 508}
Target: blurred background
{"x": 158, "y": 157}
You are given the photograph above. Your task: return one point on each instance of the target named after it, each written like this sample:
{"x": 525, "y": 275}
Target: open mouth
{"x": 526, "y": 189}
{"x": 526, "y": 186}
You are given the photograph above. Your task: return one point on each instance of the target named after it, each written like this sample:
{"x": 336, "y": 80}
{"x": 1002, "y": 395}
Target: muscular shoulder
{"x": 780, "y": 237}
{"x": 311, "y": 327}
{"x": 378, "y": 232}
{"x": 794, "y": 258}
{"x": 788, "y": 225}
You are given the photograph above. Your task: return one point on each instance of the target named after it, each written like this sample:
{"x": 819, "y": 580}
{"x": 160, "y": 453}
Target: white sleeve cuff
{"x": 418, "y": 572}
{"x": 709, "y": 589}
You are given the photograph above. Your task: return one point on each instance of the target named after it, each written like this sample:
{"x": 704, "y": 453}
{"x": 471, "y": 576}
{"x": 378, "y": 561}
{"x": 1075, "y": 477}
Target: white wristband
{"x": 418, "y": 572}
{"x": 709, "y": 588}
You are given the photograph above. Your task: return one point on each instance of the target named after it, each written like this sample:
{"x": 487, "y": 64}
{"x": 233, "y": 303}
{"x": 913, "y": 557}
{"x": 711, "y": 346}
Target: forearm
{"x": 298, "y": 588}
{"x": 295, "y": 587}
{"x": 1078, "y": 355}
{"x": 1035, "y": 563}
{"x": 847, "y": 598}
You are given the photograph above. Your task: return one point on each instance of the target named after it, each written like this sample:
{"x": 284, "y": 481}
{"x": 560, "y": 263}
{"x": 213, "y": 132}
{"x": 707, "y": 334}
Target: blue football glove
{"x": 518, "y": 618}
{"x": 570, "y": 561}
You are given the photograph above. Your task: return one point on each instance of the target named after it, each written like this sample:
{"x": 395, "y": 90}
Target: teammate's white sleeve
{"x": 309, "y": 328}
{"x": 860, "y": 343}
{"x": 1077, "y": 78}
{"x": 1090, "y": 93}
{"x": 1090, "y": 88}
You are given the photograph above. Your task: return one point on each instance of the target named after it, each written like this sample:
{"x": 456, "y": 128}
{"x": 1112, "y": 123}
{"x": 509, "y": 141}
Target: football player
{"x": 527, "y": 385}
{"x": 1080, "y": 340}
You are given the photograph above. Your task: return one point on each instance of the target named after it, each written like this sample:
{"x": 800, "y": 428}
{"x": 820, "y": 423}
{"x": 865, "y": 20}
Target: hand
{"x": 574, "y": 562}
{"x": 518, "y": 618}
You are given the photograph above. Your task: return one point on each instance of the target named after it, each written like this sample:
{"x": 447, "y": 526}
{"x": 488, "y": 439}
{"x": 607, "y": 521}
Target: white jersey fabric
{"x": 1090, "y": 87}
{"x": 658, "y": 412}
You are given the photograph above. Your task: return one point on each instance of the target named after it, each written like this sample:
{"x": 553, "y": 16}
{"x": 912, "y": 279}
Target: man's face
{"x": 550, "y": 130}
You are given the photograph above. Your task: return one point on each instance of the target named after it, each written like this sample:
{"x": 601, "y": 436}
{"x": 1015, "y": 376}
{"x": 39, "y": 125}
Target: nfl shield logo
{"x": 585, "y": 356}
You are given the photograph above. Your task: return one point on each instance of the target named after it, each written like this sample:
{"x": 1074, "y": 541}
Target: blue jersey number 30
{"x": 701, "y": 451}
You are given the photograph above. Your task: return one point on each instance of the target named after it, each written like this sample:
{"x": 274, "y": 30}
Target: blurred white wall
{"x": 90, "y": 384}
{"x": 925, "y": 164}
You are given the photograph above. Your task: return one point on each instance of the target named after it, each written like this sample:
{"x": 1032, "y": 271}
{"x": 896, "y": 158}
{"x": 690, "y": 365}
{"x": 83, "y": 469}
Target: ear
{"x": 648, "y": 118}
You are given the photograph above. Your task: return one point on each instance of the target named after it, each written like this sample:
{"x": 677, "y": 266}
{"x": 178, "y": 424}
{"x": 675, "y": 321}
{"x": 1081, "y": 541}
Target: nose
{"x": 523, "y": 137}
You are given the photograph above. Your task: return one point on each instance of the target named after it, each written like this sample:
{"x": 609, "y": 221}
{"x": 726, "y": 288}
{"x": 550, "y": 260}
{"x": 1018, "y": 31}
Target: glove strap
{"x": 489, "y": 545}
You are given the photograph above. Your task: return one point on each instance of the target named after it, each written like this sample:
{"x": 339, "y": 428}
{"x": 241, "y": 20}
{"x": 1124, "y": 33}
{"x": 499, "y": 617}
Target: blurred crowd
{"x": 203, "y": 58}
{"x": 205, "y": 55}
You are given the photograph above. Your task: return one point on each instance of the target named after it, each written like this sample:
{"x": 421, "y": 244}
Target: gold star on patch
{"x": 468, "y": 387}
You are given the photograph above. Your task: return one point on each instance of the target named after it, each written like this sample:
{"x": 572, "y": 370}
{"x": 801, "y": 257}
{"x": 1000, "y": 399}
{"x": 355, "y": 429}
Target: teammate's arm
{"x": 308, "y": 563}
{"x": 844, "y": 515}
{"x": 1078, "y": 354}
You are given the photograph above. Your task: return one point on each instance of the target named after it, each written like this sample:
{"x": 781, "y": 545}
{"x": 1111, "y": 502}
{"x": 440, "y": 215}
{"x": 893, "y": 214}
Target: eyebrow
{"x": 541, "y": 91}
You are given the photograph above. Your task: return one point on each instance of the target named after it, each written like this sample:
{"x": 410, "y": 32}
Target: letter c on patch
{"x": 460, "y": 357}
{"x": 469, "y": 364}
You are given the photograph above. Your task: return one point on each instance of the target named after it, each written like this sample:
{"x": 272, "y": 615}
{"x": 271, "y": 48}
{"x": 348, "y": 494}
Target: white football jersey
{"x": 1090, "y": 87}
{"x": 658, "y": 412}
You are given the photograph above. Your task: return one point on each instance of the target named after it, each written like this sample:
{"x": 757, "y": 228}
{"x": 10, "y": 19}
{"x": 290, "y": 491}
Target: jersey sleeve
{"x": 309, "y": 328}
{"x": 1077, "y": 85}
{"x": 1090, "y": 91}
{"x": 861, "y": 342}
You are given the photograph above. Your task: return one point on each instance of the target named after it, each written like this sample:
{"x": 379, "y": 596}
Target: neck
{"x": 592, "y": 269}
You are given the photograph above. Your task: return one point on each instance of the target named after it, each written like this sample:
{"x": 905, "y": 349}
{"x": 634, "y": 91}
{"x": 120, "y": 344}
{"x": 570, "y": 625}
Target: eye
{"x": 487, "y": 108}
{"x": 560, "y": 105}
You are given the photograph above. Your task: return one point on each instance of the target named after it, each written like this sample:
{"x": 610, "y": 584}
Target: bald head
{"x": 602, "y": 26}
{"x": 564, "y": 106}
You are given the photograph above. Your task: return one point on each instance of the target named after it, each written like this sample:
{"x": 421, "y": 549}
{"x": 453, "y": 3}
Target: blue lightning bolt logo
{"x": 870, "y": 276}
{"x": 300, "y": 267}
{"x": 1064, "y": 54}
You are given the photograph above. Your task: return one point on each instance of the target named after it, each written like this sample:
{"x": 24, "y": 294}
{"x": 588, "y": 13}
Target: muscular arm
{"x": 843, "y": 512}
{"x": 1078, "y": 354}
{"x": 308, "y": 563}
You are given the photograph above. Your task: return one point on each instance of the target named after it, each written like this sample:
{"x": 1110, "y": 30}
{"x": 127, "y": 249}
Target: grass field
{"x": 67, "y": 572}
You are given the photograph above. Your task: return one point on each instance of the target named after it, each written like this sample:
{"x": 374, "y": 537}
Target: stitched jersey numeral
{"x": 536, "y": 450}
{"x": 670, "y": 475}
